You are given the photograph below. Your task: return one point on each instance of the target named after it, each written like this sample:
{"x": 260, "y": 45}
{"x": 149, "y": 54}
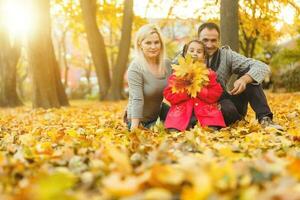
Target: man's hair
{"x": 210, "y": 26}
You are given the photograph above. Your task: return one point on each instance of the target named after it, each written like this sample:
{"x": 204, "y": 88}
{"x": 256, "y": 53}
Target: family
{"x": 216, "y": 105}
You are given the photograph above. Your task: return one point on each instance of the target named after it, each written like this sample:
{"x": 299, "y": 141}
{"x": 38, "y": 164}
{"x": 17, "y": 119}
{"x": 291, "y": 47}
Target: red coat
{"x": 204, "y": 105}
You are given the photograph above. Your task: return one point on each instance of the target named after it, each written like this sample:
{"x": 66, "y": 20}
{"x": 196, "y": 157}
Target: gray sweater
{"x": 145, "y": 92}
{"x": 232, "y": 63}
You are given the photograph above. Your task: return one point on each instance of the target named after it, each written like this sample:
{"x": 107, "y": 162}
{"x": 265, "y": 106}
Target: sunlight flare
{"x": 18, "y": 17}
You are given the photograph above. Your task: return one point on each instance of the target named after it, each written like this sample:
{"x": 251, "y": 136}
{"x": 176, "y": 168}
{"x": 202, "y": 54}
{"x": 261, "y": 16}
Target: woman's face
{"x": 151, "y": 46}
{"x": 196, "y": 51}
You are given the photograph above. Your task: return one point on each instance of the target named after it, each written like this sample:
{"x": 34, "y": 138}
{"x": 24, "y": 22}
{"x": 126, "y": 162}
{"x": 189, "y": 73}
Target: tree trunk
{"x": 229, "y": 24}
{"x": 65, "y": 60}
{"x": 245, "y": 43}
{"x": 248, "y": 46}
{"x": 48, "y": 90}
{"x": 20, "y": 83}
{"x": 9, "y": 57}
{"x": 96, "y": 45}
{"x": 253, "y": 44}
{"x": 116, "y": 89}
{"x": 88, "y": 77}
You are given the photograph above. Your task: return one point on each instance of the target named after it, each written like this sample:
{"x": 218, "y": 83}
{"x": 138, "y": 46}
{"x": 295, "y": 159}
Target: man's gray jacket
{"x": 233, "y": 65}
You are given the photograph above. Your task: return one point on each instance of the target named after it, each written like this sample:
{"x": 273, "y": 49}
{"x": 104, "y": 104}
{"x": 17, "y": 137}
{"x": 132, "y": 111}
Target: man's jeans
{"x": 234, "y": 107}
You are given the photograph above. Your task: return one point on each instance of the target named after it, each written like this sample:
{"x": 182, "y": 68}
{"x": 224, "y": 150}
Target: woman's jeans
{"x": 164, "y": 109}
{"x": 148, "y": 124}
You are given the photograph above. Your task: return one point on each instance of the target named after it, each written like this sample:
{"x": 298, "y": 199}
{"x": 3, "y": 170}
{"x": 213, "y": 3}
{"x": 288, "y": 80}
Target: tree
{"x": 107, "y": 15}
{"x": 257, "y": 23}
{"x": 48, "y": 90}
{"x": 229, "y": 23}
{"x": 119, "y": 69}
{"x": 98, "y": 51}
{"x": 97, "y": 45}
{"x": 67, "y": 21}
{"x": 9, "y": 57}
{"x": 287, "y": 56}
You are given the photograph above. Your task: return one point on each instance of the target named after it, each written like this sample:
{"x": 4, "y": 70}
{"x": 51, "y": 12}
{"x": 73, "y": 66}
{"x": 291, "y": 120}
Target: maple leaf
{"x": 157, "y": 194}
{"x": 165, "y": 175}
{"x": 190, "y": 76}
{"x": 118, "y": 185}
{"x": 201, "y": 187}
{"x": 294, "y": 168}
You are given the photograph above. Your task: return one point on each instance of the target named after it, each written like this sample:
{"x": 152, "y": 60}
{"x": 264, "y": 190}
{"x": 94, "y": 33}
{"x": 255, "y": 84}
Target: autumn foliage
{"x": 190, "y": 76}
{"x": 86, "y": 152}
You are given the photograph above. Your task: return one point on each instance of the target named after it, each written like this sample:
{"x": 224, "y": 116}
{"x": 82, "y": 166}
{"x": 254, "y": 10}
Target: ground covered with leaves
{"x": 86, "y": 152}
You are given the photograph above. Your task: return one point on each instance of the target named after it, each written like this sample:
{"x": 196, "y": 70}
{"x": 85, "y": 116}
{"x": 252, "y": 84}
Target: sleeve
{"x": 242, "y": 65}
{"x": 174, "y": 98}
{"x": 136, "y": 87}
{"x": 212, "y": 92}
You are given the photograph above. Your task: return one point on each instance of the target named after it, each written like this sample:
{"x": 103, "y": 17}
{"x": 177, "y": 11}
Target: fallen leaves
{"x": 86, "y": 152}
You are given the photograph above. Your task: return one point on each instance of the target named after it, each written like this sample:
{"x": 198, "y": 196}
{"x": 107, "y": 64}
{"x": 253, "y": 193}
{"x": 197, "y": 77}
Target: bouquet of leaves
{"x": 190, "y": 76}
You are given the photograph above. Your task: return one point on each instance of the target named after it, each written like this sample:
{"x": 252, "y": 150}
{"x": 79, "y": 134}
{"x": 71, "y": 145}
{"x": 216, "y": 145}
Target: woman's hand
{"x": 134, "y": 123}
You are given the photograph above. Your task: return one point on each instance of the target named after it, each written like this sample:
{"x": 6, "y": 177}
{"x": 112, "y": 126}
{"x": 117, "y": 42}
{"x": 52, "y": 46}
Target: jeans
{"x": 148, "y": 124}
{"x": 164, "y": 109}
{"x": 234, "y": 107}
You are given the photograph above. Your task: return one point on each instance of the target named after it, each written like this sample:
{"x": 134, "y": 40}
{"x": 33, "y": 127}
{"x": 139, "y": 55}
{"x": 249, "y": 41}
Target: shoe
{"x": 267, "y": 122}
{"x": 214, "y": 128}
{"x": 173, "y": 130}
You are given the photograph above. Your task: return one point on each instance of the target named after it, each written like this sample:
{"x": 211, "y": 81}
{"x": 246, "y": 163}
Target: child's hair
{"x": 186, "y": 46}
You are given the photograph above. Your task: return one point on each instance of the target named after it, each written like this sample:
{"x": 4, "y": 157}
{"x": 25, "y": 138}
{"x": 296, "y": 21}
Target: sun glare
{"x": 287, "y": 14}
{"x": 18, "y": 17}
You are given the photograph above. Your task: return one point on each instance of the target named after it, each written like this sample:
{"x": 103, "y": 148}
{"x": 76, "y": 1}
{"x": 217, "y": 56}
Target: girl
{"x": 186, "y": 111}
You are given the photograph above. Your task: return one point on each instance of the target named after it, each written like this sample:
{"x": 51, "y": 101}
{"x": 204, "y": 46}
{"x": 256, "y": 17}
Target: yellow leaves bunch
{"x": 191, "y": 76}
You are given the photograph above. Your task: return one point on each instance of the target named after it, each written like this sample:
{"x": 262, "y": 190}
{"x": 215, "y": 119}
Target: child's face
{"x": 196, "y": 51}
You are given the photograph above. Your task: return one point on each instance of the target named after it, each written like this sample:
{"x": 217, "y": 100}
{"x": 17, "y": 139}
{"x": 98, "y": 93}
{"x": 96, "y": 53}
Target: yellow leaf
{"x": 157, "y": 194}
{"x": 294, "y": 168}
{"x": 119, "y": 157}
{"x": 120, "y": 186}
{"x": 44, "y": 148}
{"x": 27, "y": 139}
{"x": 165, "y": 175}
{"x": 200, "y": 189}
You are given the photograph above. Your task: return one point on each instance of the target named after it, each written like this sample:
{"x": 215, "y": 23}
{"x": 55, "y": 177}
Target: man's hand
{"x": 240, "y": 85}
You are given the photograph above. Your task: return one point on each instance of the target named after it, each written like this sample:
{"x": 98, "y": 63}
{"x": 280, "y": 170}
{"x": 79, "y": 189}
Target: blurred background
{"x": 56, "y": 50}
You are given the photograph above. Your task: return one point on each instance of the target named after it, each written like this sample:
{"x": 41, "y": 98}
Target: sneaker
{"x": 214, "y": 128}
{"x": 173, "y": 130}
{"x": 267, "y": 122}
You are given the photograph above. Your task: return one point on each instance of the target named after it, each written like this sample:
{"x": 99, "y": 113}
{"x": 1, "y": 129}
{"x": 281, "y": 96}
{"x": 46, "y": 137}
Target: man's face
{"x": 210, "y": 38}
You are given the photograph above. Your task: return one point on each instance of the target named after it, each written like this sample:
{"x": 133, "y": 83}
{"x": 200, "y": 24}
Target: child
{"x": 186, "y": 111}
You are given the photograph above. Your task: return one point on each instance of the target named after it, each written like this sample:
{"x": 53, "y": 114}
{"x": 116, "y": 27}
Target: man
{"x": 246, "y": 88}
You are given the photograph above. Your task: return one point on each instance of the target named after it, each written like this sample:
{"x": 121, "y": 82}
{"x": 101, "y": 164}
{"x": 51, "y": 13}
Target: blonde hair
{"x": 141, "y": 34}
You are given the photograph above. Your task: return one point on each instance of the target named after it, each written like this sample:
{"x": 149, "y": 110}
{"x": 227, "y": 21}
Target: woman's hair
{"x": 186, "y": 46}
{"x": 141, "y": 34}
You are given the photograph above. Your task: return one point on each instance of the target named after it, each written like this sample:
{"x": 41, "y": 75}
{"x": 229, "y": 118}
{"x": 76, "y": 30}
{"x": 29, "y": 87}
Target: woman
{"x": 147, "y": 77}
